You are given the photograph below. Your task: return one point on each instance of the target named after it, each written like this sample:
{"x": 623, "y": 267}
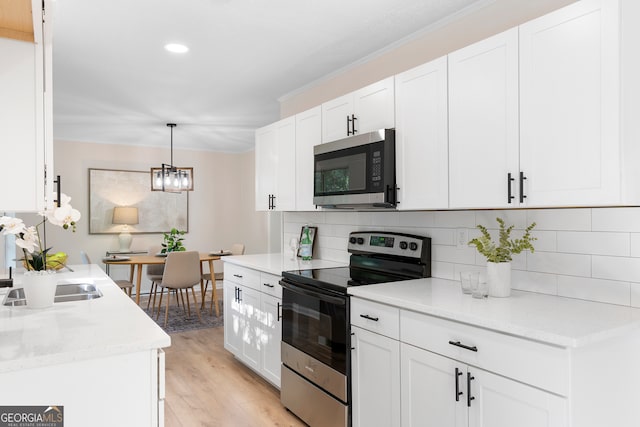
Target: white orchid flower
{"x": 29, "y": 240}
{"x": 64, "y": 216}
{"x": 12, "y": 225}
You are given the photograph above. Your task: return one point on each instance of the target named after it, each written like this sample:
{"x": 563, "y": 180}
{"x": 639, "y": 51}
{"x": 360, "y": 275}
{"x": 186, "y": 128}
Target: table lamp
{"x": 127, "y": 216}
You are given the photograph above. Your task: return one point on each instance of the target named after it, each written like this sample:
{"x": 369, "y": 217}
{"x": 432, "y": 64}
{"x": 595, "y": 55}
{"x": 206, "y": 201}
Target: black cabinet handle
{"x": 458, "y": 392}
{"x": 268, "y": 285}
{"x": 239, "y": 276}
{"x": 522, "y": 178}
{"x": 348, "y": 125}
{"x": 278, "y": 312}
{"x": 239, "y": 295}
{"x": 58, "y": 182}
{"x": 509, "y": 181}
{"x": 469, "y": 397}
{"x": 235, "y": 296}
{"x": 466, "y": 347}
{"x": 366, "y": 316}
{"x": 353, "y": 124}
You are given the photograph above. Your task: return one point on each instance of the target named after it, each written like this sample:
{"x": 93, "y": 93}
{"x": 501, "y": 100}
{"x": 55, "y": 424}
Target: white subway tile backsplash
{"x": 609, "y": 291}
{"x": 635, "y": 294}
{"x": 635, "y": 245}
{"x": 616, "y": 219}
{"x": 546, "y": 241}
{"x": 453, "y": 254}
{"x": 517, "y": 218}
{"x": 559, "y": 263}
{"x": 453, "y": 219}
{"x": 534, "y": 282}
{"x": 616, "y": 268}
{"x": 596, "y": 243}
{"x": 560, "y": 219}
{"x": 588, "y": 253}
{"x": 385, "y": 219}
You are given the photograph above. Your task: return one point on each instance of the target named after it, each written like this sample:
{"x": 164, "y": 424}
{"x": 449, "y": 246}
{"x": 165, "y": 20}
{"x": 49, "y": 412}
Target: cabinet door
{"x": 483, "y": 122}
{"x": 422, "y": 166}
{"x": 374, "y": 106}
{"x": 234, "y": 322}
{"x": 286, "y": 165}
{"x": 270, "y": 325}
{"x": 308, "y": 135}
{"x": 22, "y": 121}
{"x": 429, "y": 389}
{"x": 375, "y": 368}
{"x": 252, "y": 332}
{"x": 334, "y": 117}
{"x": 501, "y": 402}
{"x": 266, "y": 157}
{"x": 569, "y": 85}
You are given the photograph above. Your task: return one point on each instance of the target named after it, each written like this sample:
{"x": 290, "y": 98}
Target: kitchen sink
{"x": 65, "y": 292}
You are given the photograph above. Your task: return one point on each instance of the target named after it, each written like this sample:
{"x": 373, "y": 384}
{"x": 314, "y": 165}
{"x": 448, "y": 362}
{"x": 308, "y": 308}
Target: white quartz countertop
{"x": 76, "y": 330}
{"x": 277, "y": 263}
{"x": 554, "y": 320}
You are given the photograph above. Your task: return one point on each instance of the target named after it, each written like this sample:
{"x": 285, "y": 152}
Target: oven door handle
{"x": 322, "y": 297}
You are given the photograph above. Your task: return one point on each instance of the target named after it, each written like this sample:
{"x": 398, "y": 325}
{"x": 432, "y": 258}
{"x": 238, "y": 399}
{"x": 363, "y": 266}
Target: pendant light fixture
{"x": 170, "y": 178}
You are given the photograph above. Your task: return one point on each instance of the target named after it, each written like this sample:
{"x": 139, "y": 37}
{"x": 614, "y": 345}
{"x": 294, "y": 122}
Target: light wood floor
{"x": 206, "y": 386}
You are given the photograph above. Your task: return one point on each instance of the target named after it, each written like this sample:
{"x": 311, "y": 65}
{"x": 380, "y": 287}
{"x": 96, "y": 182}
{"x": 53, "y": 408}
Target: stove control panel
{"x": 397, "y": 244}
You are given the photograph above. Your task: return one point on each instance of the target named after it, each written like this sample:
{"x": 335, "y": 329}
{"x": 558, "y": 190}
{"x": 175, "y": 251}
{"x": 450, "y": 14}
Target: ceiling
{"x": 114, "y": 82}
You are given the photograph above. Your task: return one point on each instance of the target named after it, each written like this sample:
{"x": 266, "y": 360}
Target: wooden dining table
{"x": 137, "y": 261}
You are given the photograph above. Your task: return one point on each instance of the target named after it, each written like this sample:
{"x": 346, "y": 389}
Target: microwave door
{"x": 341, "y": 175}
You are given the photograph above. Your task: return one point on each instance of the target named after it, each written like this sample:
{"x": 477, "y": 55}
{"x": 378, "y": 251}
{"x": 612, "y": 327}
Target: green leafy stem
{"x": 506, "y": 247}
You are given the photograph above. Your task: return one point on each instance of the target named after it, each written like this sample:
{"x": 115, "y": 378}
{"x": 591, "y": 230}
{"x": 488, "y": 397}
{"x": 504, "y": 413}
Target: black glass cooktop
{"x": 339, "y": 278}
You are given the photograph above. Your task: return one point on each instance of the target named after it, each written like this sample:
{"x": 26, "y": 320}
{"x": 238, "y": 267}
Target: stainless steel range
{"x": 316, "y": 368}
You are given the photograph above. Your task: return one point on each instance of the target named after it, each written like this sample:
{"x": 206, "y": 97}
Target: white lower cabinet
{"x": 252, "y": 314}
{"x": 375, "y": 380}
{"x": 440, "y": 391}
{"x": 414, "y": 370}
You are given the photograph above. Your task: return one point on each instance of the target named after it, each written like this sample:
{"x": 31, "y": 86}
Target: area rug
{"x": 180, "y": 322}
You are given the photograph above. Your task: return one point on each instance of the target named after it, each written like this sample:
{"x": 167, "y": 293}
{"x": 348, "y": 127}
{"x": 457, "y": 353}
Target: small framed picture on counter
{"x": 312, "y": 235}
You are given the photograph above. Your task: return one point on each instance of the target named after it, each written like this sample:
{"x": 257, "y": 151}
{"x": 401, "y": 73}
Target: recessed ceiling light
{"x": 176, "y": 48}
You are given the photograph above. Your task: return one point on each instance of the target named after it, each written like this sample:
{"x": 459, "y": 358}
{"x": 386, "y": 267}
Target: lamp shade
{"x": 125, "y": 215}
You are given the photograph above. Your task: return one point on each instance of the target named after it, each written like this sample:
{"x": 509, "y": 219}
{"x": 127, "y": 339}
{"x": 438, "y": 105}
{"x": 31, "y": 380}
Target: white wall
{"x": 588, "y": 253}
{"x": 221, "y": 207}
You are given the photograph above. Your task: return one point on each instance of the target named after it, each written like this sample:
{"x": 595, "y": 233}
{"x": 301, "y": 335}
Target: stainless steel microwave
{"x": 357, "y": 172}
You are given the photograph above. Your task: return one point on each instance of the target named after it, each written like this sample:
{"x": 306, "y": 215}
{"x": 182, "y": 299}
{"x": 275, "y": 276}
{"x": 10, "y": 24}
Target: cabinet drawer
{"x": 242, "y": 276}
{"x": 375, "y": 317}
{"x": 270, "y": 284}
{"x": 531, "y": 362}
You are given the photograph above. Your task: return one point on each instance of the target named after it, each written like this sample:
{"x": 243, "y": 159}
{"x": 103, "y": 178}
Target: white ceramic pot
{"x": 499, "y": 279}
{"x": 39, "y": 288}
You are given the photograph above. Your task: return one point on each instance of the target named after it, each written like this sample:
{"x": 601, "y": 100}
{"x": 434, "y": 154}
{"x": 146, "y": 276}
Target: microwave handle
{"x": 391, "y": 194}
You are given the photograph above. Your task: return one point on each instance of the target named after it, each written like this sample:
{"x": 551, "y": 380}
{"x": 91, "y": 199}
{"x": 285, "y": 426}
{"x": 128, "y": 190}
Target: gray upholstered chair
{"x": 154, "y": 274}
{"x": 181, "y": 271}
{"x": 125, "y": 285}
{"x": 236, "y": 249}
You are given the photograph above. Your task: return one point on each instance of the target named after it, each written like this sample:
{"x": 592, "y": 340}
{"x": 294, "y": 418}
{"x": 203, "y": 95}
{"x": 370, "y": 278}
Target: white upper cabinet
{"x": 569, "y": 106}
{"x": 308, "y": 135}
{"x": 25, "y": 116}
{"x": 275, "y": 167}
{"x": 365, "y": 110}
{"x": 483, "y": 122}
{"x": 422, "y": 137}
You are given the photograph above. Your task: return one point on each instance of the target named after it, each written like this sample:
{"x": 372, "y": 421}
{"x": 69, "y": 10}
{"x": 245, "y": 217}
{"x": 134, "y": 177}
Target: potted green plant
{"x": 173, "y": 241}
{"x": 499, "y": 255}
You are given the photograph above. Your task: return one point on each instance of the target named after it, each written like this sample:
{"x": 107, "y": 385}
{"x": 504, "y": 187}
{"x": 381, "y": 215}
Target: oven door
{"x": 316, "y": 323}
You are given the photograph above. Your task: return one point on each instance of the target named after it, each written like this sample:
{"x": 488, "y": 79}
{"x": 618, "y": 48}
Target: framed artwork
{"x": 158, "y": 211}
{"x": 312, "y": 235}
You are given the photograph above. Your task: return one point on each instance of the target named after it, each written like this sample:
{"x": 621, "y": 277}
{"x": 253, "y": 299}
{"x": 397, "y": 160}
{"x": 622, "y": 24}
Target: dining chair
{"x": 154, "y": 274}
{"x": 236, "y": 249}
{"x": 125, "y": 285}
{"x": 181, "y": 271}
